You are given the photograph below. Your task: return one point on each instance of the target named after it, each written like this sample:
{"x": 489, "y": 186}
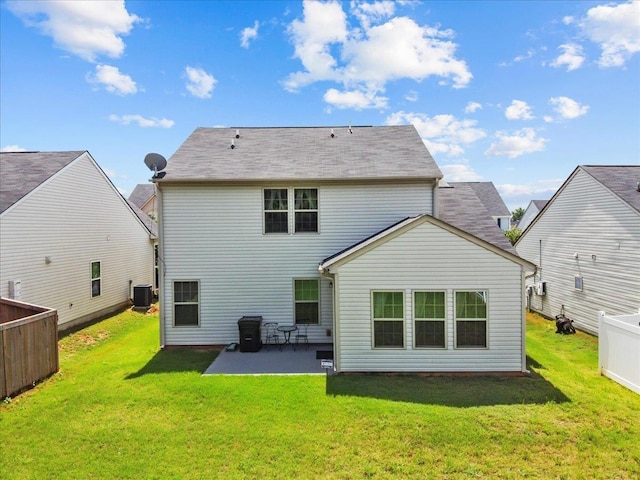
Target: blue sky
{"x": 518, "y": 93}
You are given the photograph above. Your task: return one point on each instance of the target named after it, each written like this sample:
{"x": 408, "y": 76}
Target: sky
{"x": 518, "y": 93}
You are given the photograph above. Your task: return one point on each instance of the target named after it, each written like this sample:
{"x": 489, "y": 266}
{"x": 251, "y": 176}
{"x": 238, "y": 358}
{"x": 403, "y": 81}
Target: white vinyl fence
{"x": 619, "y": 349}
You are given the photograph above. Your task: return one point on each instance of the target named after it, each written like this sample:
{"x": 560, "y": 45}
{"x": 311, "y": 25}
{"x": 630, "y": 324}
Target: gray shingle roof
{"x": 540, "y": 203}
{"x": 461, "y": 207}
{"x": 489, "y": 196}
{"x": 144, "y": 218}
{"x": 21, "y": 172}
{"x": 302, "y": 153}
{"x": 141, "y": 193}
{"x": 622, "y": 180}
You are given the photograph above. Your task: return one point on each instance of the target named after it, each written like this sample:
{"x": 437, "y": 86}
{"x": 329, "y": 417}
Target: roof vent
{"x": 332, "y": 134}
{"x": 233, "y": 143}
{"x": 638, "y": 186}
{"x": 237, "y": 133}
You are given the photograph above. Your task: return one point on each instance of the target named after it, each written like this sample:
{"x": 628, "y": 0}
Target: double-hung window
{"x": 186, "y": 303}
{"x": 96, "y": 279}
{"x": 429, "y": 313}
{"x": 306, "y": 209}
{"x": 307, "y": 301}
{"x": 276, "y": 210}
{"x": 471, "y": 319}
{"x": 388, "y": 319}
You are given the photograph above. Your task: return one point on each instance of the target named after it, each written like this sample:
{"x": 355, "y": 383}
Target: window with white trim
{"x": 307, "y": 301}
{"x": 388, "y": 319}
{"x": 429, "y": 316}
{"x": 96, "y": 279}
{"x": 471, "y": 319}
{"x": 276, "y": 210}
{"x": 306, "y": 209}
{"x": 186, "y": 303}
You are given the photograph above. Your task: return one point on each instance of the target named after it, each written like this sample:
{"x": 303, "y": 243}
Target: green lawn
{"x": 120, "y": 408}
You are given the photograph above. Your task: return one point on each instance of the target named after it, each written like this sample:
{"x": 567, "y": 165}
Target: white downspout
{"x": 334, "y": 281}
{"x": 161, "y": 266}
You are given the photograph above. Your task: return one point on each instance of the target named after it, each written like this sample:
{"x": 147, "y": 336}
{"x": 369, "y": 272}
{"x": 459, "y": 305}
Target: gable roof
{"x": 622, "y": 180}
{"x": 142, "y": 193}
{"x": 489, "y": 196}
{"x": 539, "y": 204}
{"x": 461, "y": 207}
{"x": 22, "y": 172}
{"x": 145, "y": 219}
{"x": 407, "y": 224}
{"x": 301, "y": 153}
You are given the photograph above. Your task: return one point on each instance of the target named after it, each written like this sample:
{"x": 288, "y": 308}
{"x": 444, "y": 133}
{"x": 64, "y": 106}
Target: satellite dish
{"x": 155, "y": 162}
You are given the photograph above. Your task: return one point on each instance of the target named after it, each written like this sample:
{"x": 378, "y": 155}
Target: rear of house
{"x": 586, "y": 243}
{"x": 247, "y": 215}
{"x": 68, "y": 239}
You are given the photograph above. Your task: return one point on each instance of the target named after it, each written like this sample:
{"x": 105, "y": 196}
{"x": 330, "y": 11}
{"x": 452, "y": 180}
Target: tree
{"x": 513, "y": 235}
{"x": 517, "y": 214}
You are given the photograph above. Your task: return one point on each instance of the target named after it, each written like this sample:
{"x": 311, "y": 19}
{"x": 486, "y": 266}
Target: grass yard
{"x": 120, "y": 408}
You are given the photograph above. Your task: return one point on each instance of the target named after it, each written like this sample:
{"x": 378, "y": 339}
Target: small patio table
{"x": 286, "y": 332}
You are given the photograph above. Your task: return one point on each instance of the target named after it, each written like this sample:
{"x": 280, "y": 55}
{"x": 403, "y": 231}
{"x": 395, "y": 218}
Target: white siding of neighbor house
{"x": 588, "y": 219}
{"x": 75, "y": 217}
{"x": 213, "y": 234}
{"x": 430, "y": 258}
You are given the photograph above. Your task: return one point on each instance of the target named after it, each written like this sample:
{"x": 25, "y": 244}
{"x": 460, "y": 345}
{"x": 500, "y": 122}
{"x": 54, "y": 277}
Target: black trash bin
{"x": 250, "y": 339}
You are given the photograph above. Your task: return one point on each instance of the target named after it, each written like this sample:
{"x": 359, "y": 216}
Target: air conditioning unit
{"x": 541, "y": 288}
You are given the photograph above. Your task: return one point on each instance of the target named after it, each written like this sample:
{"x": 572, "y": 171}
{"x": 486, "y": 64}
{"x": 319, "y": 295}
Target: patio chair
{"x": 271, "y": 335}
{"x": 301, "y": 335}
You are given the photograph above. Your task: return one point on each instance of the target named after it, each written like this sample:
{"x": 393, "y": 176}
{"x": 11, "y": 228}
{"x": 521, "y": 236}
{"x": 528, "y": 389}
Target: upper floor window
{"x": 96, "y": 279}
{"x": 276, "y": 210}
{"x": 306, "y": 209}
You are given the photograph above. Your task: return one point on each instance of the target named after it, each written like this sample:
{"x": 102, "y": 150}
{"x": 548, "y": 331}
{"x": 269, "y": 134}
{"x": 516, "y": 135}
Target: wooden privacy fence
{"x": 619, "y": 349}
{"x": 28, "y": 345}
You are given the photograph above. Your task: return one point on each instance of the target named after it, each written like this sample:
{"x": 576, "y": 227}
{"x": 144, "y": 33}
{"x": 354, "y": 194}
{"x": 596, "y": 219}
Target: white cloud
{"x": 354, "y": 99}
{"x": 411, "y": 96}
{"x": 568, "y": 108}
{"x": 368, "y": 13}
{"x": 568, "y": 20}
{"x": 249, "y": 34}
{"x": 472, "y": 107}
{"x": 572, "y": 57}
{"x": 521, "y": 142}
{"x": 441, "y": 133}
{"x": 364, "y": 58}
{"x": 615, "y": 28}
{"x": 85, "y": 29}
{"x": 199, "y": 83}
{"x": 142, "y": 121}
{"x": 13, "y": 148}
{"x": 113, "y": 80}
{"x": 541, "y": 188}
{"x": 112, "y": 174}
{"x": 518, "y": 110}
{"x": 530, "y": 53}
{"x": 460, "y": 173}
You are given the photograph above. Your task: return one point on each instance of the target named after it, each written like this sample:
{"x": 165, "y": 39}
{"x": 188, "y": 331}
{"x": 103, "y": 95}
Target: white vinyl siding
{"x": 586, "y": 219}
{"x": 429, "y": 258}
{"x": 244, "y": 272}
{"x": 74, "y": 218}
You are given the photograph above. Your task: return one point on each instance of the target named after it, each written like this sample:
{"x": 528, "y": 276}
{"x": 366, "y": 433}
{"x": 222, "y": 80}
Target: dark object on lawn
{"x": 564, "y": 325}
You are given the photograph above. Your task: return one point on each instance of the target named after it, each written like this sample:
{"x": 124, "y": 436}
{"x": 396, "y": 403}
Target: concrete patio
{"x": 270, "y": 360}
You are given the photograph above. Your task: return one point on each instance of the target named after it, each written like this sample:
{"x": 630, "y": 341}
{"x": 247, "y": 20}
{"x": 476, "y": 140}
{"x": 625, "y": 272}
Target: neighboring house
{"x": 534, "y": 207}
{"x": 68, "y": 239}
{"x": 491, "y": 199}
{"x": 342, "y": 228}
{"x": 586, "y": 243}
{"x": 144, "y": 197}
